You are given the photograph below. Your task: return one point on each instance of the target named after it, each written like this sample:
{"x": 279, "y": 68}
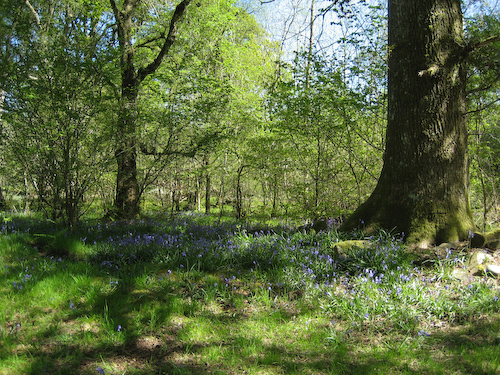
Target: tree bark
{"x": 208, "y": 183}
{"x": 423, "y": 189}
{"x": 239, "y": 194}
{"x": 3, "y": 203}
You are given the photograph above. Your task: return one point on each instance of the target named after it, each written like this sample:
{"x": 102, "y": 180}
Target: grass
{"x": 194, "y": 295}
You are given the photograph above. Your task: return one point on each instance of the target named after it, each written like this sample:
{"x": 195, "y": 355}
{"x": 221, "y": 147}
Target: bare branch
{"x": 484, "y": 43}
{"x": 150, "y": 40}
{"x": 483, "y": 107}
{"x": 33, "y": 11}
{"x": 118, "y": 19}
{"x": 187, "y": 150}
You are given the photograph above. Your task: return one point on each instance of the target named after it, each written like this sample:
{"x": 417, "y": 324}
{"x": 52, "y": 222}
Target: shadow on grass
{"x": 470, "y": 349}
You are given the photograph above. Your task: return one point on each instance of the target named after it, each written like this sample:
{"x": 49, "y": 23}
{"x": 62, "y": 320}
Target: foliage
{"x": 315, "y": 112}
{"x": 54, "y": 111}
{"x": 221, "y": 125}
{"x": 483, "y": 90}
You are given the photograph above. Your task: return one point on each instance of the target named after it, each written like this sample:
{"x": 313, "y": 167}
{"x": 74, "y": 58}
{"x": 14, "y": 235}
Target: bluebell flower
{"x": 100, "y": 370}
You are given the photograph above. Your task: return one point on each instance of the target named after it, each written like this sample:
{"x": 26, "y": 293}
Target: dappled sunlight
{"x": 283, "y": 300}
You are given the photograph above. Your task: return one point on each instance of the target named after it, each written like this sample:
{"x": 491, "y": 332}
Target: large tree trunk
{"x": 423, "y": 189}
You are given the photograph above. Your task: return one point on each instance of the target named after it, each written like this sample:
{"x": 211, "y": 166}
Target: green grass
{"x": 194, "y": 296}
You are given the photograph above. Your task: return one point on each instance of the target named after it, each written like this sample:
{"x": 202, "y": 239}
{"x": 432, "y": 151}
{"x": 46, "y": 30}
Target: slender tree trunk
{"x": 3, "y": 203}
{"x": 127, "y": 200}
{"x": 128, "y": 193}
{"x": 221, "y": 197}
{"x": 208, "y": 183}
{"x": 239, "y": 194}
{"x": 423, "y": 189}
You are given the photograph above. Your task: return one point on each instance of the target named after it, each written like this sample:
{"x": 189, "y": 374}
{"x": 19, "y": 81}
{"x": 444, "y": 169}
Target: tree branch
{"x": 188, "y": 151}
{"x": 33, "y": 11}
{"x": 484, "y": 43}
{"x": 172, "y": 33}
{"x": 482, "y": 108}
{"x": 118, "y": 20}
{"x": 485, "y": 88}
{"x": 471, "y": 47}
{"x": 150, "y": 40}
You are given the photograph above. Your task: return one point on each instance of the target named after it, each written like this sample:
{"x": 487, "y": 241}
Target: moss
{"x": 493, "y": 235}
{"x": 450, "y": 228}
{"x": 343, "y": 247}
{"x": 423, "y": 221}
{"x": 422, "y": 232}
{"x": 488, "y": 239}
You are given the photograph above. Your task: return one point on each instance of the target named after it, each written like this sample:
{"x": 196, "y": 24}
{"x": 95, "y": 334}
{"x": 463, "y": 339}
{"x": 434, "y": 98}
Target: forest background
{"x": 274, "y": 110}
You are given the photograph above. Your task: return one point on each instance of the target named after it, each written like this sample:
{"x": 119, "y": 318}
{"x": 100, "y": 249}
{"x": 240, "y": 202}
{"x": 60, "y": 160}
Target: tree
{"x": 54, "y": 109}
{"x": 127, "y": 204}
{"x": 423, "y": 189}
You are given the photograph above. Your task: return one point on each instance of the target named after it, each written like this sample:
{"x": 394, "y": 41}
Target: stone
{"x": 461, "y": 274}
{"x": 477, "y": 262}
{"x": 493, "y": 268}
{"x": 479, "y": 257}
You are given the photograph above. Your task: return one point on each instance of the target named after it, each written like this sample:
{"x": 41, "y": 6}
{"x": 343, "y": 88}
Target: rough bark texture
{"x": 423, "y": 189}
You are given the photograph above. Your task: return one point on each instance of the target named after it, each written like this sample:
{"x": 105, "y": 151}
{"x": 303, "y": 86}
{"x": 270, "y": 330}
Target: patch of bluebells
{"x": 184, "y": 244}
{"x": 19, "y": 284}
{"x": 180, "y": 243}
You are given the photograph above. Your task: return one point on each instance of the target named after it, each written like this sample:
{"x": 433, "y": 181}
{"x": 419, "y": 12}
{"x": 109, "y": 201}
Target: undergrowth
{"x": 192, "y": 295}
